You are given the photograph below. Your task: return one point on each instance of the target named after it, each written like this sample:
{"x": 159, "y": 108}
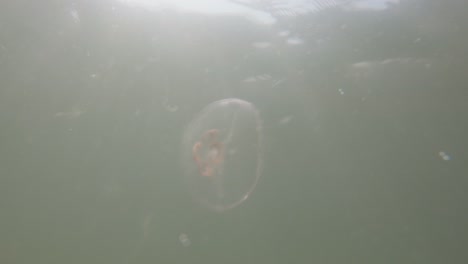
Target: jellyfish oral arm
{"x": 202, "y": 165}
{"x": 208, "y": 165}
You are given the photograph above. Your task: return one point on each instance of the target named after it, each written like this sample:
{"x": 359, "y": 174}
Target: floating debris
{"x": 184, "y": 240}
{"x": 295, "y": 41}
{"x": 444, "y": 156}
{"x": 168, "y": 106}
{"x": 284, "y": 33}
{"x": 74, "y": 113}
{"x": 282, "y": 8}
{"x": 261, "y": 77}
{"x": 261, "y": 45}
{"x": 285, "y": 120}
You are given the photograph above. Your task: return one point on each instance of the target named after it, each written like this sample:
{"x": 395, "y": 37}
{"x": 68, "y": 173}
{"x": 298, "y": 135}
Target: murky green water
{"x": 355, "y": 151}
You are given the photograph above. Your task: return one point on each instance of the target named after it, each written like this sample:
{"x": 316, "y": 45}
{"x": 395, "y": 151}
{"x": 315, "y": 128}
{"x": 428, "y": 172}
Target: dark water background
{"x": 364, "y": 118}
